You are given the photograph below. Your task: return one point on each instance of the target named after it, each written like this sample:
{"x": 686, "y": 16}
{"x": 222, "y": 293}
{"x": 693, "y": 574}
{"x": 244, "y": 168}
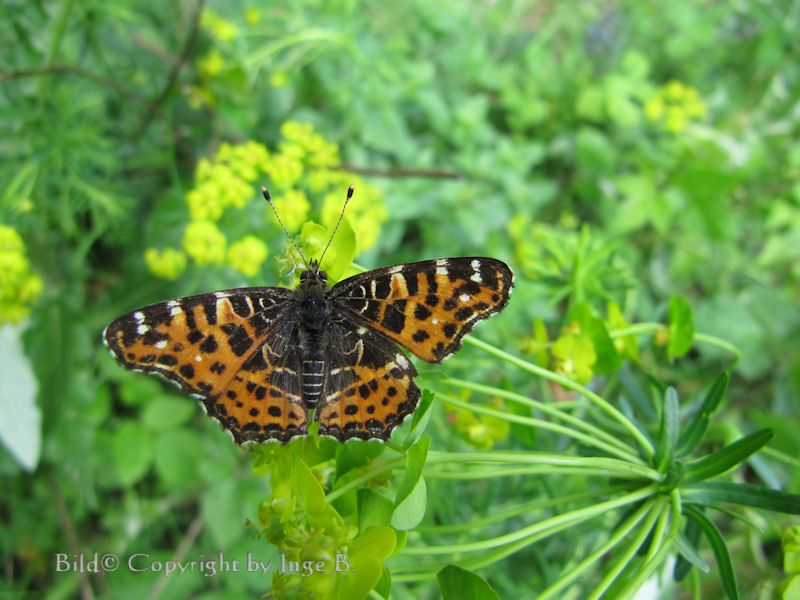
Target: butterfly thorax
{"x": 313, "y": 313}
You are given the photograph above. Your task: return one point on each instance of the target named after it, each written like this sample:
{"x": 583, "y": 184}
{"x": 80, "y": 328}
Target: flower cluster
{"x": 226, "y": 181}
{"x": 168, "y": 263}
{"x": 304, "y": 181}
{"x": 217, "y": 26}
{"x": 674, "y": 105}
{"x": 19, "y": 288}
{"x": 481, "y": 431}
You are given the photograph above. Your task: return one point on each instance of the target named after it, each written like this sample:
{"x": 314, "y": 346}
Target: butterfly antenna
{"x": 346, "y": 200}
{"x": 277, "y": 216}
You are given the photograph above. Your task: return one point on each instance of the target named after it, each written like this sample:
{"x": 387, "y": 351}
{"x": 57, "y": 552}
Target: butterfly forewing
{"x": 427, "y": 306}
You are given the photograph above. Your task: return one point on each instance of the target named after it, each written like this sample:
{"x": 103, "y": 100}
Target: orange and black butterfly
{"x": 261, "y": 359}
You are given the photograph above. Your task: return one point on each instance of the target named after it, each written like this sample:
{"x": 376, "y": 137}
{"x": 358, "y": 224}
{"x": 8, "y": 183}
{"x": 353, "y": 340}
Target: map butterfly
{"x": 265, "y": 361}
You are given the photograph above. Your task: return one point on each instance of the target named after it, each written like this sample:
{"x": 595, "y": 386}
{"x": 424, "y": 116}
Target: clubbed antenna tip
{"x": 339, "y": 222}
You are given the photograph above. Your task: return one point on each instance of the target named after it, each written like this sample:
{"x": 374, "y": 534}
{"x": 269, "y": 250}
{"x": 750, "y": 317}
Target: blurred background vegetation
{"x": 615, "y": 154}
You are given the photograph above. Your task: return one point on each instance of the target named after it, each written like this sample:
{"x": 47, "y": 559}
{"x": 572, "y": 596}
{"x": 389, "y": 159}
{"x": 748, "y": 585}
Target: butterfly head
{"x": 313, "y": 276}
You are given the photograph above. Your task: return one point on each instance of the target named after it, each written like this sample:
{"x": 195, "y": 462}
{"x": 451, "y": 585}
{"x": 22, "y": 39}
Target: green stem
{"x": 646, "y": 570}
{"x": 373, "y": 471}
{"x": 594, "y": 436}
{"x": 710, "y": 339}
{"x": 620, "y": 532}
{"x": 570, "y": 385}
{"x": 570, "y": 518}
{"x": 502, "y": 514}
{"x": 625, "y": 558}
{"x": 648, "y": 328}
{"x": 620, "y": 468}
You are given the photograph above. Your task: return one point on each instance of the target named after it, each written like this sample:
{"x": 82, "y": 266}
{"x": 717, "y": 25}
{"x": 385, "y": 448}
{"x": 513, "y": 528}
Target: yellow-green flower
{"x": 19, "y": 288}
{"x": 204, "y": 203}
{"x": 211, "y": 64}
{"x": 247, "y": 255}
{"x": 674, "y": 106}
{"x": 226, "y": 180}
{"x": 221, "y": 29}
{"x": 279, "y": 78}
{"x": 574, "y": 356}
{"x": 168, "y": 263}
{"x": 252, "y": 16}
{"x": 204, "y": 243}
{"x": 654, "y": 108}
{"x": 284, "y": 171}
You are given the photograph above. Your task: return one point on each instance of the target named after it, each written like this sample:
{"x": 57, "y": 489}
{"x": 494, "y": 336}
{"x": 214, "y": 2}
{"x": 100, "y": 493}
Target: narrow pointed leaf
{"x": 726, "y": 458}
{"x": 686, "y": 544}
{"x": 670, "y": 429}
{"x": 696, "y": 428}
{"x": 717, "y": 543}
{"x": 710, "y": 493}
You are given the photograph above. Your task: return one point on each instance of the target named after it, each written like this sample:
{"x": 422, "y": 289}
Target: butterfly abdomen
{"x": 313, "y": 314}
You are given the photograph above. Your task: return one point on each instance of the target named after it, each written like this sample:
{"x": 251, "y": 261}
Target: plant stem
{"x": 570, "y": 385}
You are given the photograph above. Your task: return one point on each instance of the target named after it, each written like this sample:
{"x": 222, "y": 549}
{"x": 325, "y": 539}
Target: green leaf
{"x": 727, "y": 457}
{"x": 608, "y": 360}
{"x": 133, "y": 450}
{"x": 411, "y": 510}
{"x": 681, "y": 327}
{"x": 670, "y": 429}
{"x": 686, "y": 544}
{"x": 177, "y": 458}
{"x": 341, "y": 252}
{"x": 412, "y": 497}
{"x": 420, "y": 419}
{"x": 456, "y": 583}
{"x": 374, "y": 509}
{"x": 168, "y": 412}
{"x": 415, "y": 462}
{"x": 577, "y": 354}
{"x": 711, "y": 493}
{"x": 364, "y": 563}
{"x": 723, "y": 557}
{"x": 221, "y": 510}
{"x": 384, "y": 585}
{"x": 21, "y": 424}
{"x": 696, "y": 429}
{"x": 307, "y": 487}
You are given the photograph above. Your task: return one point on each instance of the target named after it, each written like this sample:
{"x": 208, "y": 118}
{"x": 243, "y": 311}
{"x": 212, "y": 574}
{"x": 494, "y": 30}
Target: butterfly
{"x": 265, "y": 361}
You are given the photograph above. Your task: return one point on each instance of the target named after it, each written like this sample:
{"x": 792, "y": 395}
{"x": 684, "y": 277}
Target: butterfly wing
{"x": 427, "y": 306}
{"x": 369, "y": 387}
{"x": 214, "y": 343}
{"x": 264, "y": 399}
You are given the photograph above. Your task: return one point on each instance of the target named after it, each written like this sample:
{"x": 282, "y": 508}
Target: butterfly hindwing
{"x": 369, "y": 388}
{"x": 427, "y": 306}
{"x": 264, "y": 399}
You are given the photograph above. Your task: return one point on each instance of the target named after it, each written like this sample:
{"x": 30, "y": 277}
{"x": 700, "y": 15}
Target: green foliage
{"x": 641, "y": 181}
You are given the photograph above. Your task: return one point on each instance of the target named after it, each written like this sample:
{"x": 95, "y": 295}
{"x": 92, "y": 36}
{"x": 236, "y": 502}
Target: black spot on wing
{"x": 238, "y": 338}
{"x": 394, "y": 319}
